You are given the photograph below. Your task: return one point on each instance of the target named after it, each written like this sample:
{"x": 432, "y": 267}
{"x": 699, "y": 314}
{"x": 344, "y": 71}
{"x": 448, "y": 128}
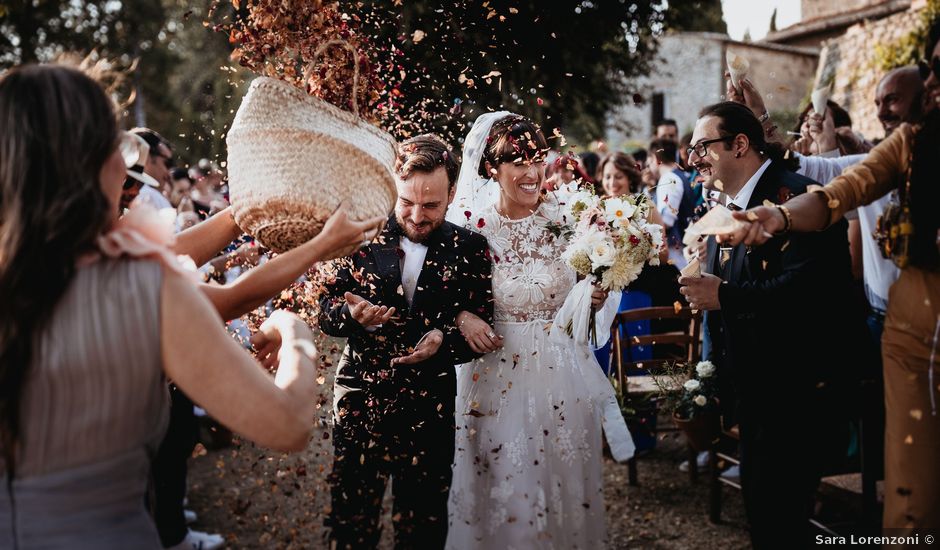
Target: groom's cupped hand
{"x": 427, "y": 346}
{"x": 365, "y": 312}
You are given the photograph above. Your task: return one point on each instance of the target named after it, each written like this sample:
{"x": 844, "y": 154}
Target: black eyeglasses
{"x": 926, "y": 67}
{"x": 701, "y": 148}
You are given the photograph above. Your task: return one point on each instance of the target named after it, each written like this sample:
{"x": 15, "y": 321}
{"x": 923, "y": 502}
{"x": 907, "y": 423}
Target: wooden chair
{"x": 639, "y": 376}
{"x": 717, "y": 459}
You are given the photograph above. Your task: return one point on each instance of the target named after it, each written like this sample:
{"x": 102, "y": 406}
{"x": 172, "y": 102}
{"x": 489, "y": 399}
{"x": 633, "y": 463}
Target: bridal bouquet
{"x": 610, "y": 242}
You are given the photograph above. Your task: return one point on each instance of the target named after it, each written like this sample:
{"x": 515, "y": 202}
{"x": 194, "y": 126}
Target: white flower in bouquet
{"x": 570, "y": 188}
{"x": 580, "y": 250}
{"x": 692, "y": 385}
{"x": 602, "y": 254}
{"x": 577, "y": 203}
{"x": 642, "y": 208}
{"x": 700, "y": 400}
{"x": 617, "y": 211}
{"x": 705, "y": 369}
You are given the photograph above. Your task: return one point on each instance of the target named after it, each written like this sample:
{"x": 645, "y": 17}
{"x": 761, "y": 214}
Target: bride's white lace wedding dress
{"x": 527, "y": 470}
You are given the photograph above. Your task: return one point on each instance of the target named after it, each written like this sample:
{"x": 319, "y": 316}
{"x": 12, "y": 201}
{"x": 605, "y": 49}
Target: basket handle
{"x": 355, "y": 55}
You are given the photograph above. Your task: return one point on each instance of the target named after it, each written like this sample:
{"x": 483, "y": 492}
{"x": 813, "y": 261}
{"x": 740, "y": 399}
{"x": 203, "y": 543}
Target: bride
{"x": 527, "y": 471}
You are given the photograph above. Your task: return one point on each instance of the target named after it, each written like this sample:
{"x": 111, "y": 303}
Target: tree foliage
{"x": 564, "y": 63}
{"x": 695, "y": 16}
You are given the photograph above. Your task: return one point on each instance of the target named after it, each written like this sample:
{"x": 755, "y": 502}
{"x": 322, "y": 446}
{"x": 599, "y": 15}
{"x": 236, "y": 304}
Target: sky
{"x": 755, "y": 15}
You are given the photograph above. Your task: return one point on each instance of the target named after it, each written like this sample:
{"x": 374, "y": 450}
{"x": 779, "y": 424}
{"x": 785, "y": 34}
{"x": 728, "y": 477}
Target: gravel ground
{"x": 259, "y": 499}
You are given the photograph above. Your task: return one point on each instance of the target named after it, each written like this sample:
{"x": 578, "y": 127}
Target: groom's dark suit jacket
{"x": 455, "y": 276}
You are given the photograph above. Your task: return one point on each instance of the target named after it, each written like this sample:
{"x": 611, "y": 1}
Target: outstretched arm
{"x": 339, "y": 237}
{"x": 205, "y": 240}
{"x": 880, "y": 172}
{"x": 203, "y": 360}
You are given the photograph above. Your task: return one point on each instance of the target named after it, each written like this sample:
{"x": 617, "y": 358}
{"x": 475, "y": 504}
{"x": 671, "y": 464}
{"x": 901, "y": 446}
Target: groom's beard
{"x": 420, "y": 232}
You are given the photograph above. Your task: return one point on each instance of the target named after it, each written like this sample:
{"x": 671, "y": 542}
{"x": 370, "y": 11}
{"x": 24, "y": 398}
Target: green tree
{"x": 773, "y": 21}
{"x": 564, "y": 64}
{"x": 695, "y": 16}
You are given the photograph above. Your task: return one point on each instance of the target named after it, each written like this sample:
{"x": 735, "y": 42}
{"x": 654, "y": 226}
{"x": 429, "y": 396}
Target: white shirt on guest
{"x": 878, "y": 272}
{"x": 411, "y": 266}
{"x": 744, "y": 195}
{"x": 668, "y": 197}
{"x": 154, "y": 198}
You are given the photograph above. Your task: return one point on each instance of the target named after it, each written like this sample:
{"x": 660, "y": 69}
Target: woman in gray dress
{"x": 87, "y": 340}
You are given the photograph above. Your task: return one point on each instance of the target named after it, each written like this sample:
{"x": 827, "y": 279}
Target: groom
{"x": 396, "y": 302}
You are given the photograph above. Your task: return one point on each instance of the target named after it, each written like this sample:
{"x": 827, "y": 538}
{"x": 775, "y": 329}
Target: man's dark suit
{"x": 787, "y": 345}
{"x": 399, "y": 421}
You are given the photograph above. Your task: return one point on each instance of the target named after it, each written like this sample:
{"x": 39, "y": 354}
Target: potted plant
{"x": 690, "y": 392}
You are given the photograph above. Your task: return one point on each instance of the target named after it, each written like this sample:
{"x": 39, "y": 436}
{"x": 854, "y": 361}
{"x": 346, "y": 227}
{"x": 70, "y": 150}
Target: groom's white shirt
{"x": 411, "y": 266}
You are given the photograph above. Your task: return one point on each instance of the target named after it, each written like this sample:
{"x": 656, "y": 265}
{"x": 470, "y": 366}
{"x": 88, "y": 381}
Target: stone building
{"x": 689, "y": 76}
{"x": 838, "y": 42}
{"x": 823, "y": 20}
{"x": 854, "y": 67}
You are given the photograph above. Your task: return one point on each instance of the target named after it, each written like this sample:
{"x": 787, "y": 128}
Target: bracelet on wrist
{"x": 764, "y": 117}
{"x": 787, "y": 220}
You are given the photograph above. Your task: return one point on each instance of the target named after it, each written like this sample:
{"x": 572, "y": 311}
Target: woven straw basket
{"x": 293, "y": 158}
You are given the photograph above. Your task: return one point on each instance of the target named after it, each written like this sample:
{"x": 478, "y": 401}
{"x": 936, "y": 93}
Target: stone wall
{"x": 811, "y": 9}
{"x": 784, "y": 77}
{"x": 849, "y": 62}
{"x": 690, "y": 76}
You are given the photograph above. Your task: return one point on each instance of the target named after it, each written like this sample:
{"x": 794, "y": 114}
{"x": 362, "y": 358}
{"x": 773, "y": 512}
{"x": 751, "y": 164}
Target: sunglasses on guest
{"x": 925, "y": 67}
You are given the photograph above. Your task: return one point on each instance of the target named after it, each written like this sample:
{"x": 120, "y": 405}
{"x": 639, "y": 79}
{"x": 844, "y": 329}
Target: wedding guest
{"x": 904, "y": 161}
{"x": 170, "y": 464}
{"x": 180, "y": 186}
{"x": 619, "y": 175}
{"x": 754, "y": 298}
{"x": 136, "y": 177}
{"x": 159, "y": 165}
{"x": 96, "y": 316}
{"x": 673, "y": 196}
{"x": 206, "y": 191}
{"x": 667, "y": 128}
{"x": 848, "y": 142}
{"x": 899, "y": 98}
{"x": 589, "y": 161}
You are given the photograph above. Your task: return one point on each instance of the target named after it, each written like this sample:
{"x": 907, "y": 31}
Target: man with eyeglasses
{"x": 159, "y": 166}
{"x": 782, "y": 330}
